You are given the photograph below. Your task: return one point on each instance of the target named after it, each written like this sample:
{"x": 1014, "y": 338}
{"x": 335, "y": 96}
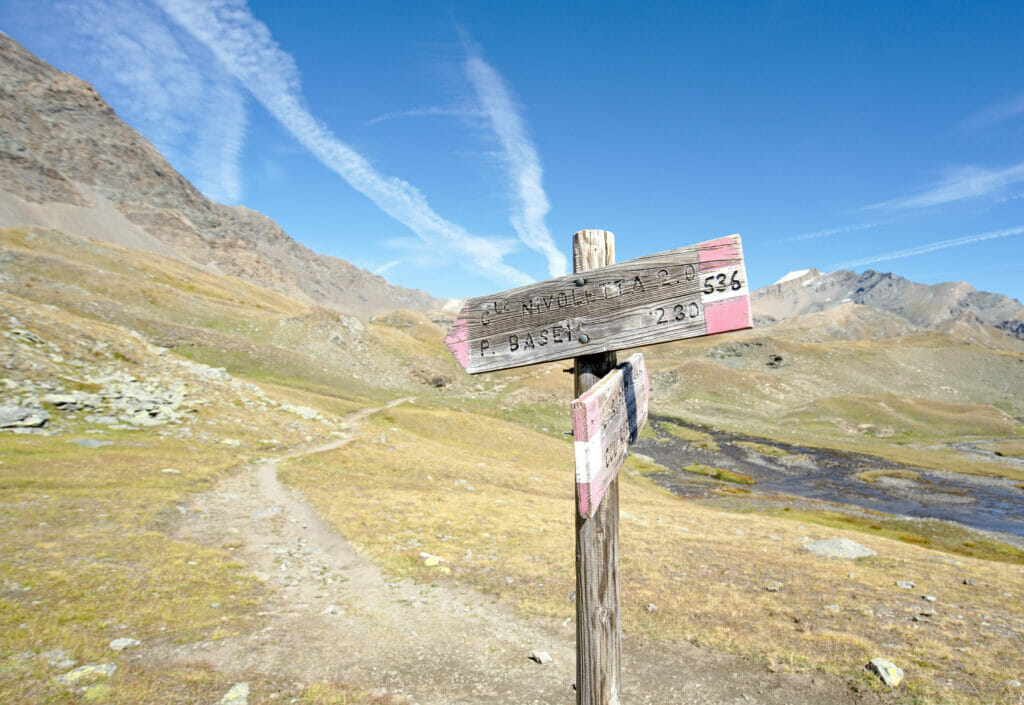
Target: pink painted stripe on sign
{"x": 458, "y": 341}
{"x": 586, "y": 416}
{"x": 731, "y": 314}
{"x": 590, "y": 496}
{"x": 713, "y": 254}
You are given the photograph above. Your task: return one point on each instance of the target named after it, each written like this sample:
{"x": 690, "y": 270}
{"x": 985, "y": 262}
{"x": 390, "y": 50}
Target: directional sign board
{"x": 606, "y": 420}
{"x": 683, "y": 293}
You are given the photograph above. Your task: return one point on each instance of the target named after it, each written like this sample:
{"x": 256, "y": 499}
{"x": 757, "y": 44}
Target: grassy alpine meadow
{"x": 494, "y": 502}
{"x": 88, "y": 556}
{"x": 84, "y": 560}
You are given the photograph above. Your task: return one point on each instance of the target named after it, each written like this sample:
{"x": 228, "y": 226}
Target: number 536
{"x": 719, "y": 282}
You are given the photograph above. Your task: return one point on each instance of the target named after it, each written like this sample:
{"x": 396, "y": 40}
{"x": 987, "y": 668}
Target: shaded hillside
{"x": 68, "y": 161}
{"x": 950, "y": 306}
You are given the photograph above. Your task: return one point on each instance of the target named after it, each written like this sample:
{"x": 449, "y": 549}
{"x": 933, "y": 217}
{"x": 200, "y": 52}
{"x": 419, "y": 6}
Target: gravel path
{"x": 333, "y": 616}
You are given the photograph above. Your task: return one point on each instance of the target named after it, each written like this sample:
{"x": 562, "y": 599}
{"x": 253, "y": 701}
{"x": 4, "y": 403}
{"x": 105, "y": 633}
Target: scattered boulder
{"x": 70, "y": 401}
{"x": 839, "y": 548}
{"x": 541, "y": 657}
{"x": 22, "y": 417}
{"x": 89, "y": 672}
{"x": 91, "y": 442}
{"x": 59, "y": 658}
{"x": 238, "y": 695}
{"x": 304, "y": 412}
{"x": 430, "y": 560}
{"x": 124, "y": 642}
{"x": 905, "y": 584}
{"x": 890, "y": 673}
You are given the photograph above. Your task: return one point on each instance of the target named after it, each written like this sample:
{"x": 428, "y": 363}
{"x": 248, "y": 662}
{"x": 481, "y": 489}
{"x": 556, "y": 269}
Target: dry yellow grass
{"x": 496, "y": 501}
{"x": 1009, "y": 449}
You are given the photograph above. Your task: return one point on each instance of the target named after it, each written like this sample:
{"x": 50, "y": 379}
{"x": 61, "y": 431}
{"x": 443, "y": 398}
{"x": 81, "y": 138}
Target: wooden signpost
{"x": 684, "y": 293}
{"x": 603, "y": 307}
{"x": 606, "y": 420}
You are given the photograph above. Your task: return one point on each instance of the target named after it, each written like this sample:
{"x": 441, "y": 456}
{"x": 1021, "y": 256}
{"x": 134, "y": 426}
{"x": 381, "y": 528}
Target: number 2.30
{"x": 719, "y": 282}
{"x": 679, "y": 312}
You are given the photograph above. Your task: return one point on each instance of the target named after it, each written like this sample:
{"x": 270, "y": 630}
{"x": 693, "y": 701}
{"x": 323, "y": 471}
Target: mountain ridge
{"x": 941, "y": 306}
{"x": 66, "y": 159}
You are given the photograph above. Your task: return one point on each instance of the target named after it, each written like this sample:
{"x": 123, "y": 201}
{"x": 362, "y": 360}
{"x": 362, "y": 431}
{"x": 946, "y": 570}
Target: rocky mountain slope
{"x": 67, "y": 161}
{"x": 951, "y": 307}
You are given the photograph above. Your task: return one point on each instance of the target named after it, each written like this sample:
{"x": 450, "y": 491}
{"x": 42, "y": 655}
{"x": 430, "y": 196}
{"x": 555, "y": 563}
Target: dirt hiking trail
{"x": 332, "y": 616}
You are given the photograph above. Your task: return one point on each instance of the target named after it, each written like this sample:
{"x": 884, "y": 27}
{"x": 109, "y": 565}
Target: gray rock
{"x": 124, "y": 642}
{"x": 905, "y": 584}
{"x": 968, "y": 581}
{"x": 238, "y": 695}
{"x": 58, "y": 658}
{"x": 1012, "y": 683}
{"x": 301, "y": 411}
{"x": 22, "y": 417}
{"x": 541, "y": 657}
{"x": 89, "y": 672}
{"x": 70, "y": 401}
{"x": 91, "y": 442}
{"x": 890, "y": 673}
{"x": 929, "y": 598}
{"x": 651, "y": 607}
{"x": 839, "y": 548}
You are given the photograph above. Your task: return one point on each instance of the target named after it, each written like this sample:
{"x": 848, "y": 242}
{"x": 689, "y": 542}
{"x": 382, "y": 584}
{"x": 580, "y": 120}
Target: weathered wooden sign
{"x": 684, "y": 293}
{"x": 606, "y": 420}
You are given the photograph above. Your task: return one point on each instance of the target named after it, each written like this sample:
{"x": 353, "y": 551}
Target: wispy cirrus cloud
{"x": 961, "y": 184}
{"x": 834, "y": 231}
{"x": 426, "y": 112}
{"x": 379, "y": 271}
{"x": 193, "y": 113}
{"x": 931, "y": 247}
{"x": 995, "y": 114}
{"x": 519, "y": 156}
{"x": 247, "y": 50}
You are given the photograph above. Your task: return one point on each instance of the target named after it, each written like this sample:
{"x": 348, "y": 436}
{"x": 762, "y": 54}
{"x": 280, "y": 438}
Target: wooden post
{"x": 598, "y": 620}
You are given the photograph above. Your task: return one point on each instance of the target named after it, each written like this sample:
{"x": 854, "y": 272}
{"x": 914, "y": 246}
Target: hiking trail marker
{"x": 684, "y": 293}
{"x": 606, "y": 421}
{"x": 603, "y": 307}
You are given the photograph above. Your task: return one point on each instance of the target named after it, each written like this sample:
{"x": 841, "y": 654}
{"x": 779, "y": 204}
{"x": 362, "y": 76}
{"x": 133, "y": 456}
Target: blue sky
{"x": 455, "y": 147}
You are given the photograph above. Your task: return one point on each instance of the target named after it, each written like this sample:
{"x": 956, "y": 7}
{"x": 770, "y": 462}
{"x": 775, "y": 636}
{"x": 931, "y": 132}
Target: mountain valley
{"x": 262, "y": 466}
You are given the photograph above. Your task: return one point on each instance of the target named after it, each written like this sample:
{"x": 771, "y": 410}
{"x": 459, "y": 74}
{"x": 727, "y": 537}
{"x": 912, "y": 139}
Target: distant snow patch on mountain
{"x": 793, "y": 275}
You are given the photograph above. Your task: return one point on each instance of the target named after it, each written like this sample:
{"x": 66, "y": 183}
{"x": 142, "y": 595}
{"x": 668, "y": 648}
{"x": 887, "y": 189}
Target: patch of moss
{"x": 719, "y": 473}
{"x": 872, "y": 476}
{"x": 762, "y": 448}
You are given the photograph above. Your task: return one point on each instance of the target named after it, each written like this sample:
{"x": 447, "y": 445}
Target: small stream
{"x": 987, "y": 503}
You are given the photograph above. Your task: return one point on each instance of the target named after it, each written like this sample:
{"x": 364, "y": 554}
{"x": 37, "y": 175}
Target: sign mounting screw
{"x": 580, "y": 281}
{"x": 584, "y": 338}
